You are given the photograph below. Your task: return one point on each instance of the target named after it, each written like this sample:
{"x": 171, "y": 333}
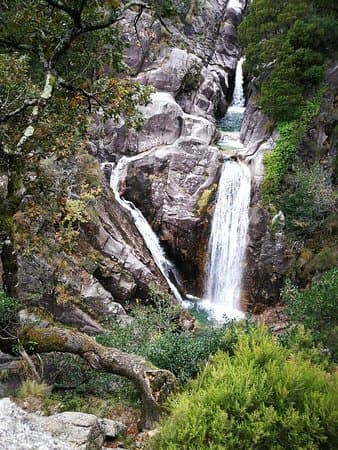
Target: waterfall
{"x": 228, "y": 242}
{"x": 149, "y": 237}
{"x": 232, "y": 121}
{"x": 230, "y": 221}
{"x": 238, "y": 99}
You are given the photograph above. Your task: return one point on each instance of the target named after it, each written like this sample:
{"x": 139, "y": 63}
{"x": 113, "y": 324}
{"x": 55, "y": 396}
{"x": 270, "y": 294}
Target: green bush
{"x": 8, "y": 315}
{"x": 308, "y": 200}
{"x": 278, "y": 161}
{"x": 285, "y": 45}
{"x": 316, "y": 308}
{"x": 184, "y": 353}
{"x": 262, "y": 397}
{"x": 155, "y": 335}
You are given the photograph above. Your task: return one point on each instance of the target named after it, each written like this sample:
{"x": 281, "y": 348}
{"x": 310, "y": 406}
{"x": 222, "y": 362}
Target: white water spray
{"x": 150, "y": 238}
{"x": 227, "y": 243}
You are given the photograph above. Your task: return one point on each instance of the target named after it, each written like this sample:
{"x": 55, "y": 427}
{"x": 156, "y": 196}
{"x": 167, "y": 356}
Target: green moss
{"x": 204, "y": 199}
{"x": 49, "y": 341}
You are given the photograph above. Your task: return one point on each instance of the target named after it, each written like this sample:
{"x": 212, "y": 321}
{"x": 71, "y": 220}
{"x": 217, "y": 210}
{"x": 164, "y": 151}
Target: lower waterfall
{"x": 227, "y": 243}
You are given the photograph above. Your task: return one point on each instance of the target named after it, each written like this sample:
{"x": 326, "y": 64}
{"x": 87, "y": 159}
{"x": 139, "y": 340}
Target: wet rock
{"x": 258, "y": 137}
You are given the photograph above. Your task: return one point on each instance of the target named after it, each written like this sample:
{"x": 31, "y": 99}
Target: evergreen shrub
{"x": 263, "y": 396}
{"x": 316, "y": 308}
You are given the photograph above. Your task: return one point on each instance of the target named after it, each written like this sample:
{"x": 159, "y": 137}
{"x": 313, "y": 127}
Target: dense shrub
{"x": 278, "y": 161}
{"x": 285, "y": 44}
{"x": 184, "y": 353}
{"x": 155, "y": 335}
{"x": 316, "y": 308}
{"x": 262, "y": 397}
{"x": 8, "y": 316}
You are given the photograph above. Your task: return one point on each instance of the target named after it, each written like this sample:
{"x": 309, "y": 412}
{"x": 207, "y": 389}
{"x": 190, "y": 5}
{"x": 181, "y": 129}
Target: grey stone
{"x": 177, "y": 71}
{"x": 18, "y": 432}
{"x": 82, "y": 431}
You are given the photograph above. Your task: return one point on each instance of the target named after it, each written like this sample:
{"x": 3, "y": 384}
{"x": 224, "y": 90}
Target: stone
{"x": 112, "y": 428}
{"x": 101, "y": 301}
{"x": 178, "y": 70}
{"x": 18, "y": 432}
{"x": 65, "y": 431}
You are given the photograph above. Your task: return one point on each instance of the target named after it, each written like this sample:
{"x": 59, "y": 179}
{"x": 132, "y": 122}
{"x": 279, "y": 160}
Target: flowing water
{"x": 230, "y": 221}
{"x": 149, "y": 237}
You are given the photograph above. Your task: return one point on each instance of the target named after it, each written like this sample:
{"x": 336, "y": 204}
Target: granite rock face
{"x": 266, "y": 261}
{"x": 109, "y": 264}
{"x": 65, "y": 431}
{"x": 169, "y": 185}
{"x": 269, "y": 255}
{"x": 112, "y": 266}
{"x": 175, "y": 176}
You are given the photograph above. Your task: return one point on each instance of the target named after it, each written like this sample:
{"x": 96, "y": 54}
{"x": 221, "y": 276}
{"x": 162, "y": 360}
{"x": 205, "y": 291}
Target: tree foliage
{"x": 316, "y": 308}
{"x": 59, "y": 61}
{"x": 286, "y": 44}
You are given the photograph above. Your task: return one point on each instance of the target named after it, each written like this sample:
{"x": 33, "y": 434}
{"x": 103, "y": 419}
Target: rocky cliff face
{"x": 271, "y": 253}
{"x": 174, "y": 182}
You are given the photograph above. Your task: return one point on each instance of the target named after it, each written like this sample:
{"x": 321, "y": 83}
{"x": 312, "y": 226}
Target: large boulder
{"x": 66, "y": 431}
{"x": 177, "y": 71}
{"x": 173, "y": 187}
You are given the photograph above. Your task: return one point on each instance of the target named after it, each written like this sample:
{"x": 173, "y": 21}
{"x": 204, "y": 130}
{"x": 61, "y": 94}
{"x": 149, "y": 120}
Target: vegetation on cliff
{"x": 289, "y": 46}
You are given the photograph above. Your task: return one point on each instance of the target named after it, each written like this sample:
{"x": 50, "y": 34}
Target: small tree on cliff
{"x": 60, "y": 60}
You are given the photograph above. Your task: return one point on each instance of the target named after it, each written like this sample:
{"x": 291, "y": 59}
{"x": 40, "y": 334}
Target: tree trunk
{"x": 154, "y": 384}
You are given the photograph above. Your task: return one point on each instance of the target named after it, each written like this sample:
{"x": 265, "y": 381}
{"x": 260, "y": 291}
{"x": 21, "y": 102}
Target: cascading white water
{"x": 238, "y": 99}
{"x": 227, "y": 241}
{"x": 148, "y": 235}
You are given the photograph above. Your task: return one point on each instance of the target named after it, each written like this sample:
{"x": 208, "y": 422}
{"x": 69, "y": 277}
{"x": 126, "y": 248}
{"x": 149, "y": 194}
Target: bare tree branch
{"x": 45, "y": 96}
{"x": 154, "y": 384}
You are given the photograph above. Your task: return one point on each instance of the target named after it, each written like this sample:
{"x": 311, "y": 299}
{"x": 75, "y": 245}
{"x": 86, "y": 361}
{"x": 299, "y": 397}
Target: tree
{"x": 59, "y": 61}
{"x": 153, "y": 384}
